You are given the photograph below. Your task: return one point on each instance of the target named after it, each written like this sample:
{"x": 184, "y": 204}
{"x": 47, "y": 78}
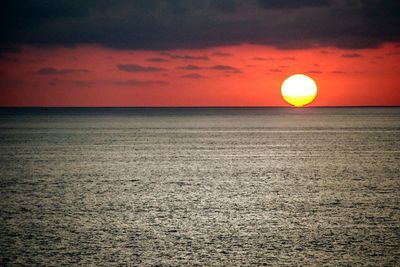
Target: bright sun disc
{"x": 299, "y": 90}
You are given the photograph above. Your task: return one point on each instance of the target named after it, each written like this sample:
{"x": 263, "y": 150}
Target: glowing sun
{"x": 299, "y": 90}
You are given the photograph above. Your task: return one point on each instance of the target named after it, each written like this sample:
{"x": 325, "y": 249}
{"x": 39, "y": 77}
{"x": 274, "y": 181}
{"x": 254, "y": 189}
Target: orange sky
{"x": 241, "y": 75}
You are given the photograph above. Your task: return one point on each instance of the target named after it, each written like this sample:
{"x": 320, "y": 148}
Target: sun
{"x": 299, "y": 90}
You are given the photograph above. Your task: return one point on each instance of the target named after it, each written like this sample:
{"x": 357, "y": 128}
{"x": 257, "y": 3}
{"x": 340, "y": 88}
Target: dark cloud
{"x": 140, "y": 83}
{"x": 351, "y": 55}
{"x": 185, "y": 57}
{"x": 84, "y": 83}
{"x": 190, "y": 67}
{"x": 175, "y": 24}
{"x": 157, "y": 59}
{"x": 289, "y": 4}
{"x": 54, "y": 71}
{"x": 193, "y": 76}
{"x": 225, "y": 68}
{"x": 138, "y": 68}
{"x": 227, "y": 6}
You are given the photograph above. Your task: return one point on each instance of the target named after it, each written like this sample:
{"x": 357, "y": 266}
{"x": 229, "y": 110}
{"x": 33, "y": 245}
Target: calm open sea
{"x": 200, "y": 186}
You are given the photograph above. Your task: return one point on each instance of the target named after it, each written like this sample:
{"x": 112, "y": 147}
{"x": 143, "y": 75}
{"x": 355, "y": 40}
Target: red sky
{"x": 240, "y": 75}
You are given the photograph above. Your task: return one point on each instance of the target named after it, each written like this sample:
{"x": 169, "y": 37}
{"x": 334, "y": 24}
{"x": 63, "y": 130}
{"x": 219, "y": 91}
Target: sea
{"x": 200, "y": 186}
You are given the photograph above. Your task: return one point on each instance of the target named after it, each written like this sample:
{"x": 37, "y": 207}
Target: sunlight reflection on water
{"x": 230, "y": 187}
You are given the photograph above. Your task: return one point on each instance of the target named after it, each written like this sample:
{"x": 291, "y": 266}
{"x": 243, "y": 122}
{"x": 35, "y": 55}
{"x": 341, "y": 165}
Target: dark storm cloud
{"x": 193, "y": 76}
{"x": 138, "y": 68}
{"x": 351, "y": 55}
{"x": 175, "y": 24}
{"x": 54, "y": 71}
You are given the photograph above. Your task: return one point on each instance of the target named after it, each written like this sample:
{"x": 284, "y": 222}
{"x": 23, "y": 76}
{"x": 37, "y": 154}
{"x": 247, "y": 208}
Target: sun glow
{"x": 299, "y": 90}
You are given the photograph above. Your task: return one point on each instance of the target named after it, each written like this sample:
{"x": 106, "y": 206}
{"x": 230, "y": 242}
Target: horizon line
{"x": 349, "y": 106}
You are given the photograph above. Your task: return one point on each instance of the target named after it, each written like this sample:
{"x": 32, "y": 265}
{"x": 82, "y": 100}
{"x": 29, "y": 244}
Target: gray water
{"x": 200, "y": 187}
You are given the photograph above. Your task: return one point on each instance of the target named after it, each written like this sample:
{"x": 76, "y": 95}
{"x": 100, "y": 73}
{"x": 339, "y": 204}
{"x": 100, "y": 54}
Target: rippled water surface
{"x": 206, "y": 187}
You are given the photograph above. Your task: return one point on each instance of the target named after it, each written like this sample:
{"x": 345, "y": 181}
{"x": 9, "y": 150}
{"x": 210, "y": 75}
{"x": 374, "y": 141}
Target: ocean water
{"x": 200, "y": 187}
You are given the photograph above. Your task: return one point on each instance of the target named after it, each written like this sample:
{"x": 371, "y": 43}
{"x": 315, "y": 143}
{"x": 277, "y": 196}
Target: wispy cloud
{"x": 193, "y": 76}
{"x": 314, "y": 72}
{"x": 190, "y": 67}
{"x": 338, "y": 72}
{"x": 184, "y": 57}
{"x": 54, "y": 71}
{"x": 263, "y": 58}
{"x": 225, "y": 68}
{"x": 138, "y": 68}
{"x": 157, "y": 59}
{"x": 352, "y": 55}
{"x": 139, "y": 83}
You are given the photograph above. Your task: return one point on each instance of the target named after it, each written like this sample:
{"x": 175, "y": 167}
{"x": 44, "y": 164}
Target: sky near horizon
{"x": 198, "y": 53}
